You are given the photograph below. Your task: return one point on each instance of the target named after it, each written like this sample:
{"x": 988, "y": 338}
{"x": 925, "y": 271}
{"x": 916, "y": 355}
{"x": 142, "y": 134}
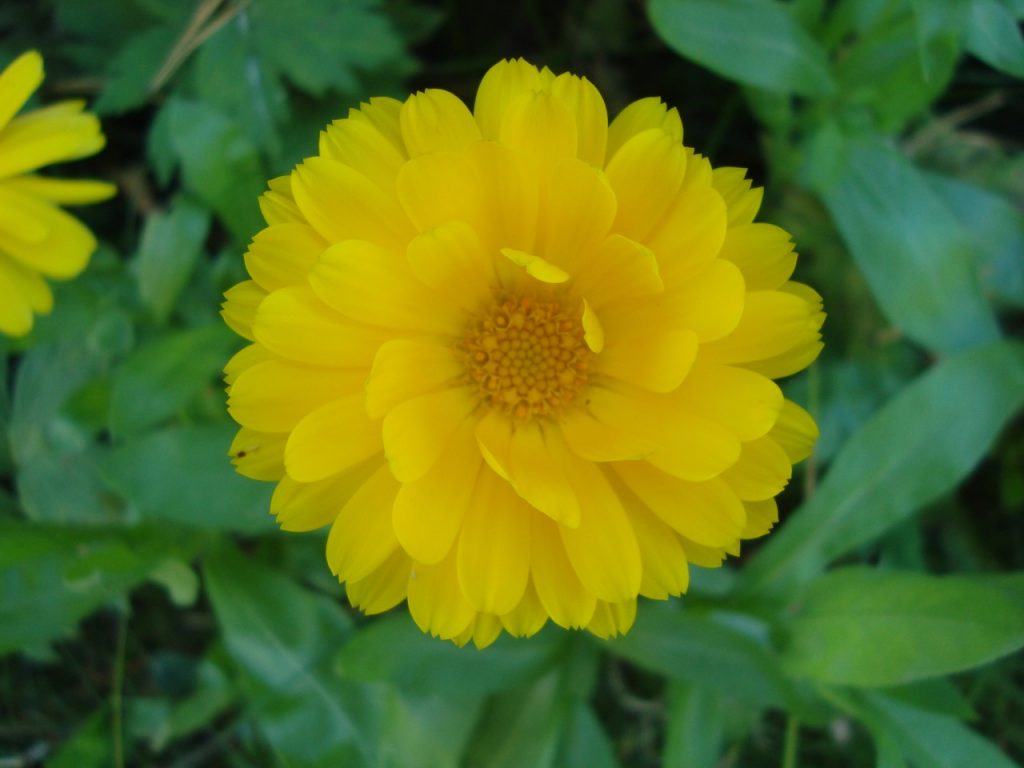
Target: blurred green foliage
{"x": 150, "y": 613}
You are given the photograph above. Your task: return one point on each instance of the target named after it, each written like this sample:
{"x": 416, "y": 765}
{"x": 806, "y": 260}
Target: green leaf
{"x": 695, "y": 727}
{"x": 528, "y": 725}
{"x": 319, "y": 44}
{"x": 435, "y": 728}
{"x": 912, "y": 452}
{"x": 910, "y": 248}
{"x": 998, "y": 254}
{"x": 585, "y": 743}
{"x": 927, "y": 625}
{"x": 162, "y": 376}
{"x": 231, "y": 73}
{"x": 522, "y": 726}
{"x": 895, "y": 75}
{"x": 394, "y": 650}
{"x": 171, "y": 244}
{"x": 89, "y": 746}
{"x": 694, "y": 648}
{"x": 53, "y": 576}
{"x": 58, "y": 476}
{"x": 934, "y": 741}
{"x": 755, "y": 42}
{"x": 182, "y": 474}
{"x": 994, "y": 37}
{"x": 220, "y": 163}
{"x": 281, "y": 638}
{"x": 131, "y": 71}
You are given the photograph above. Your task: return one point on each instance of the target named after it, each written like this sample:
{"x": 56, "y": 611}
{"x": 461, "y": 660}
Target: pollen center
{"x": 528, "y": 357}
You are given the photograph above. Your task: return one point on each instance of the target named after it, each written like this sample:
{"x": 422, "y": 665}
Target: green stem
{"x": 116, "y": 695}
{"x": 792, "y": 742}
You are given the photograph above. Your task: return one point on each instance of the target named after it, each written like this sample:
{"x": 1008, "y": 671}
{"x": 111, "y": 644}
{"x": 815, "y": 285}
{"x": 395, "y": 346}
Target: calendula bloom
{"x": 37, "y": 239}
{"x": 520, "y": 360}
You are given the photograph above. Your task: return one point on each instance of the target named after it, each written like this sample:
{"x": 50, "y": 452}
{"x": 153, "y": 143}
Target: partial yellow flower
{"x": 520, "y": 360}
{"x": 37, "y": 239}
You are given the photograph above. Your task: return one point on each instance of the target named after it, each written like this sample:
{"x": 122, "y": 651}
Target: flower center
{"x": 528, "y": 357}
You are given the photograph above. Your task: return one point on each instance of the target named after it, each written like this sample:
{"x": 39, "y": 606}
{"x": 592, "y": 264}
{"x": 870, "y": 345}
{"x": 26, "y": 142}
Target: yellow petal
{"x": 417, "y": 431}
{"x": 763, "y": 252}
{"x": 372, "y": 150}
{"x": 429, "y": 512}
{"x": 620, "y": 269}
{"x": 643, "y": 115}
{"x": 795, "y": 431}
{"x": 665, "y": 571}
{"x": 646, "y": 173}
{"x": 612, "y": 619}
{"x": 373, "y": 285}
{"x": 691, "y": 233}
{"x": 596, "y": 440}
{"x": 576, "y": 212}
{"x": 705, "y": 557}
{"x": 384, "y": 588}
{"x": 761, "y": 518}
{"x": 494, "y": 437}
{"x": 709, "y": 513}
{"x": 535, "y": 266}
{"x": 330, "y": 439}
{"x": 657, "y": 360}
{"x": 53, "y": 134}
{"x": 295, "y": 324}
{"x": 675, "y": 439}
{"x": 593, "y": 332}
{"x": 486, "y": 629}
{"x": 65, "y": 244}
{"x": 559, "y": 589}
{"x": 540, "y": 126}
{"x": 502, "y": 84}
{"x": 343, "y": 204}
{"x": 361, "y": 538}
{"x": 762, "y": 471}
{"x": 436, "y": 601}
{"x": 528, "y": 617}
{"x": 239, "y": 308}
{"x": 449, "y": 260}
{"x": 15, "y": 313}
{"x": 537, "y": 470}
{"x": 494, "y": 547}
{"x": 773, "y": 323}
{"x": 258, "y": 455}
{"x": 742, "y": 201}
{"x": 436, "y": 121}
{"x": 602, "y": 548}
{"x": 17, "y": 82}
{"x": 62, "y": 191}
{"x": 275, "y": 395}
{"x": 308, "y": 506}
{"x": 244, "y": 359}
{"x": 745, "y": 402}
{"x": 282, "y": 254}
{"x": 403, "y": 369}
{"x": 28, "y": 284}
{"x": 711, "y": 303}
{"x": 488, "y": 186}
{"x": 277, "y": 204}
{"x": 590, "y": 115}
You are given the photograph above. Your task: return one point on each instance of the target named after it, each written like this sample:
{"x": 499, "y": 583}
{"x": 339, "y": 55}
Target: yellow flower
{"x": 520, "y": 360}
{"x": 37, "y": 238}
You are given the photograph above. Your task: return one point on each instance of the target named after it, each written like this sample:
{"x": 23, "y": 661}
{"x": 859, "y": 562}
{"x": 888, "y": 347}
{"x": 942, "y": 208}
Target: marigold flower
{"x": 520, "y": 360}
{"x": 37, "y": 239}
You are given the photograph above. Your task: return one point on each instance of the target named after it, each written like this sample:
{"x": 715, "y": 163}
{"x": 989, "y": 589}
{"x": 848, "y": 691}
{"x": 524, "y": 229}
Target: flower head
{"x": 520, "y": 360}
{"x": 37, "y": 239}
